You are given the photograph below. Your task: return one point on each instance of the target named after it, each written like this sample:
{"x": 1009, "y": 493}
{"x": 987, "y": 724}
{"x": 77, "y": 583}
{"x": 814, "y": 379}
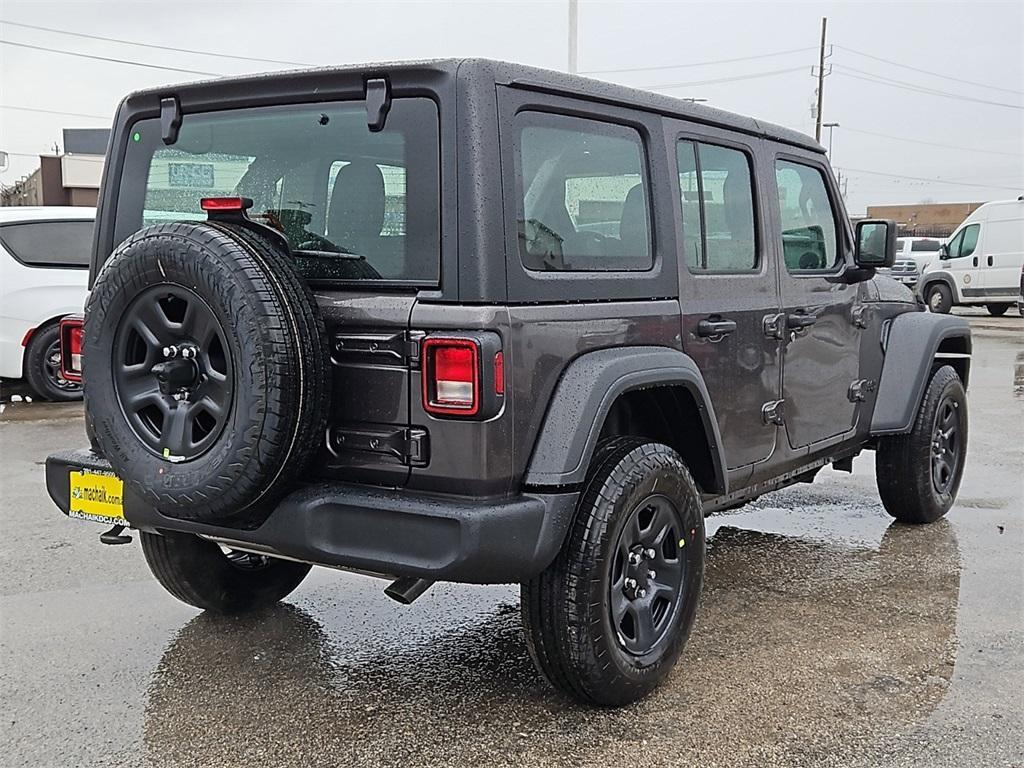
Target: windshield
{"x": 353, "y": 204}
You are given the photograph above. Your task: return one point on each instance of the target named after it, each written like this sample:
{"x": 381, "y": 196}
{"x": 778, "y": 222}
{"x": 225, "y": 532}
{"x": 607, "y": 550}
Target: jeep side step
{"x": 407, "y": 589}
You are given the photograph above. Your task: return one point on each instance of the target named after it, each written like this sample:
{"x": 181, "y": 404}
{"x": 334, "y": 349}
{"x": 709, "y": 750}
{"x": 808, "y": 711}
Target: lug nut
{"x": 649, "y": 553}
{"x": 634, "y": 558}
{"x": 188, "y": 352}
{"x": 641, "y": 593}
{"x": 629, "y": 584}
{"x": 170, "y": 351}
{"x": 652, "y": 575}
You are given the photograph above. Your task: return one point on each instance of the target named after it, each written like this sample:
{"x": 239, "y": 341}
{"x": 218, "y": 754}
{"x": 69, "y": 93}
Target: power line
{"x": 932, "y": 143}
{"x": 870, "y": 77}
{"x": 696, "y": 63}
{"x": 928, "y": 72}
{"x": 756, "y": 75}
{"x": 54, "y": 112}
{"x": 110, "y": 59}
{"x": 154, "y": 45}
{"x": 847, "y": 170}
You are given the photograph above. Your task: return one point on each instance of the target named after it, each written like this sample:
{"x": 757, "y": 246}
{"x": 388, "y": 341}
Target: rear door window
{"x": 718, "y": 208}
{"x": 49, "y": 243}
{"x": 582, "y": 197}
{"x": 316, "y": 173}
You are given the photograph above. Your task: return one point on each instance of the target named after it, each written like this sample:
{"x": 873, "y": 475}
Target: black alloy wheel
{"x": 52, "y": 369}
{"x": 946, "y": 453}
{"x": 173, "y": 372}
{"x": 647, "y": 575}
{"x": 919, "y": 472}
{"x": 606, "y": 621}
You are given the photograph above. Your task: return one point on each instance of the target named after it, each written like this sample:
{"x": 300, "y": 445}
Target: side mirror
{"x": 944, "y": 252}
{"x": 876, "y": 243}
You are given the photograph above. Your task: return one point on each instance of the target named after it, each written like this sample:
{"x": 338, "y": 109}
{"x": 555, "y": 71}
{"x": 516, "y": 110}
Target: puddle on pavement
{"x": 819, "y": 624}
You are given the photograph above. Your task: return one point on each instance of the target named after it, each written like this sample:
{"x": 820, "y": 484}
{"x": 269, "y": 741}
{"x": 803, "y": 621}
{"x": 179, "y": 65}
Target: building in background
{"x": 925, "y": 219}
{"x": 71, "y": 178}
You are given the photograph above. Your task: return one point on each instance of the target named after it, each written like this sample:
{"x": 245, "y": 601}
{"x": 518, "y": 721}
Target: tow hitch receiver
{"x": 115, "y": 536}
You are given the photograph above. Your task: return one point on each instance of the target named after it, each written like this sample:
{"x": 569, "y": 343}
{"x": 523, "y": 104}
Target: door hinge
{"x": 774, "y": 412}
{"x": 413, "y": 341}
{"x": 774, "y": 326}
{"x": 410, "y": 445}
{"x": 859, "y": 316}
{"x": 859, "y": 390}
{"x": 401, "y": 347}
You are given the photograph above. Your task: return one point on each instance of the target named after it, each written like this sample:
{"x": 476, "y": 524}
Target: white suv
{"x": 44, "y": 274}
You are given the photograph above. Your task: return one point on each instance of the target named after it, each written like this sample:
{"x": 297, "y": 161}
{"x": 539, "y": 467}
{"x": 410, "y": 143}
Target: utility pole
{"x": 574, "y": 47}
{"x": 821, "y": 80}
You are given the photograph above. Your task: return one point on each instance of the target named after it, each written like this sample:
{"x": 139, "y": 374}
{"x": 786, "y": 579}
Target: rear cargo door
{"x": 368, "y": 437}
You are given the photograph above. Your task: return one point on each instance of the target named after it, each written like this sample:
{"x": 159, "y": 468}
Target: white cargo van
{"x": 981, "y": 262}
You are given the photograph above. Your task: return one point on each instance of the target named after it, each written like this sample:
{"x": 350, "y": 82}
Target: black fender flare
{"x": 584, "y": 395}
{"x": 911, "y": 344}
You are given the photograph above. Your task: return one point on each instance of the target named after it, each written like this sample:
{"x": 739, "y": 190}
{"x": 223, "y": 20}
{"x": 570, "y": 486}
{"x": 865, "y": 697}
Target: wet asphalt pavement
{"x": 826, "y": 636}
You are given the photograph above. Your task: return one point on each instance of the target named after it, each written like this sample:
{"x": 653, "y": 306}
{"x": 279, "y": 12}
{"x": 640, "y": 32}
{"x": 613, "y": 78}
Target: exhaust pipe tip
{"x": 407, "y": 589}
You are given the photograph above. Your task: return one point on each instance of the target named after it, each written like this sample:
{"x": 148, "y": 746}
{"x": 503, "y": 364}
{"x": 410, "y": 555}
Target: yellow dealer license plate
{"x": 97, "y": 496}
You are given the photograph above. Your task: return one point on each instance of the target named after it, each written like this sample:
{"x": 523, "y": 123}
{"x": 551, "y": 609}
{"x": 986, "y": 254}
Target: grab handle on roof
{"x": 170, "y": 119}
{"x": 378, "y": 102}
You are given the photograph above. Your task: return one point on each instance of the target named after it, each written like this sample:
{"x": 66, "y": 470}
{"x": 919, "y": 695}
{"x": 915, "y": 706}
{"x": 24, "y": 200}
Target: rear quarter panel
{"x": 29, "y": 298}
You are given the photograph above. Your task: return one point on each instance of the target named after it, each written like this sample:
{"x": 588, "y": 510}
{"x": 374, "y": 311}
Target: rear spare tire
{"x": 204, "y": 367}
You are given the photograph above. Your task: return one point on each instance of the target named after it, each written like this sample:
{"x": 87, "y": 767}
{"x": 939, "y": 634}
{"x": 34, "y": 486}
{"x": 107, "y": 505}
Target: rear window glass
{"x": 353, "y": 204}
{"x": 924, "y": 245}
{"x": 49, "y": 243}
{"x": 582, "y": 197}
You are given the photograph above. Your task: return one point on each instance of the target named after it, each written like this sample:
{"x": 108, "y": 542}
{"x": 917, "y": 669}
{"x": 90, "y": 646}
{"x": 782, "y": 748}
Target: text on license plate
{"x": 96, "y": 496}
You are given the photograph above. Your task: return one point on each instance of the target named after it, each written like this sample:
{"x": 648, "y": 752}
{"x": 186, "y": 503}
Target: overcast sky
{"x": 960, "y": 83}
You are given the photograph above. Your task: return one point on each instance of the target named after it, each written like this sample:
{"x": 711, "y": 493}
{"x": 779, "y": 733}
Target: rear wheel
{"x": 919, "y": 473}
{"x": 202, "y": 574}
{"x": 607, "y": 620}
{"x": 939, "y": 298}
{"x": 42, "y": 367}
{"x": 997, "y": 310}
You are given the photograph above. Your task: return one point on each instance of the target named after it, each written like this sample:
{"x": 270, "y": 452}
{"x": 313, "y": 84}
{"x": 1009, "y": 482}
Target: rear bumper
{"x": 389, "y": 532}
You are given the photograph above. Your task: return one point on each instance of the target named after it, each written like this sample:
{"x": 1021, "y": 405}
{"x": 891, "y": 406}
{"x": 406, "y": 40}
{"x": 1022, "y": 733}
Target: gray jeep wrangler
{"x": 476, "y": 322}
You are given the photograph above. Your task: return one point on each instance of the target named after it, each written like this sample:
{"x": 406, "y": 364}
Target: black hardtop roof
{"x": 521, "y": 75}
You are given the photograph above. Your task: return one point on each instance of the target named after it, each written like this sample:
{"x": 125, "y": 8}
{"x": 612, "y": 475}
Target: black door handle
{"x": 797, "y": 321}
{"x": 715, "y": 327}
{"x": 975, "y": 261}
{"x": 990, "y": 261}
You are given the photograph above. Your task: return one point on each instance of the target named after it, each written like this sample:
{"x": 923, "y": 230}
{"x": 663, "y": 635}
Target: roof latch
{"x": 378, "y": 102}
{"x": 170, "y": 119}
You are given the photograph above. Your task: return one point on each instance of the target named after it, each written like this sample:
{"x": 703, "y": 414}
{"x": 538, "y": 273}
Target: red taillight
{"x": 225, "y": 203}
{"x": 451, "y": 376}
{"x": 72, "y": 332}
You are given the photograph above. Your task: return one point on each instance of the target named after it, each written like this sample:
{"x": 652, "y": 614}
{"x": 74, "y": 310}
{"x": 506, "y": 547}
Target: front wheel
{"x": 607, "y": 620}
{"x": 919, "y": 473}
{"x": 939, "y": 298}
{"x": 997, "y": 310}
{"x": 200, "y": 573}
